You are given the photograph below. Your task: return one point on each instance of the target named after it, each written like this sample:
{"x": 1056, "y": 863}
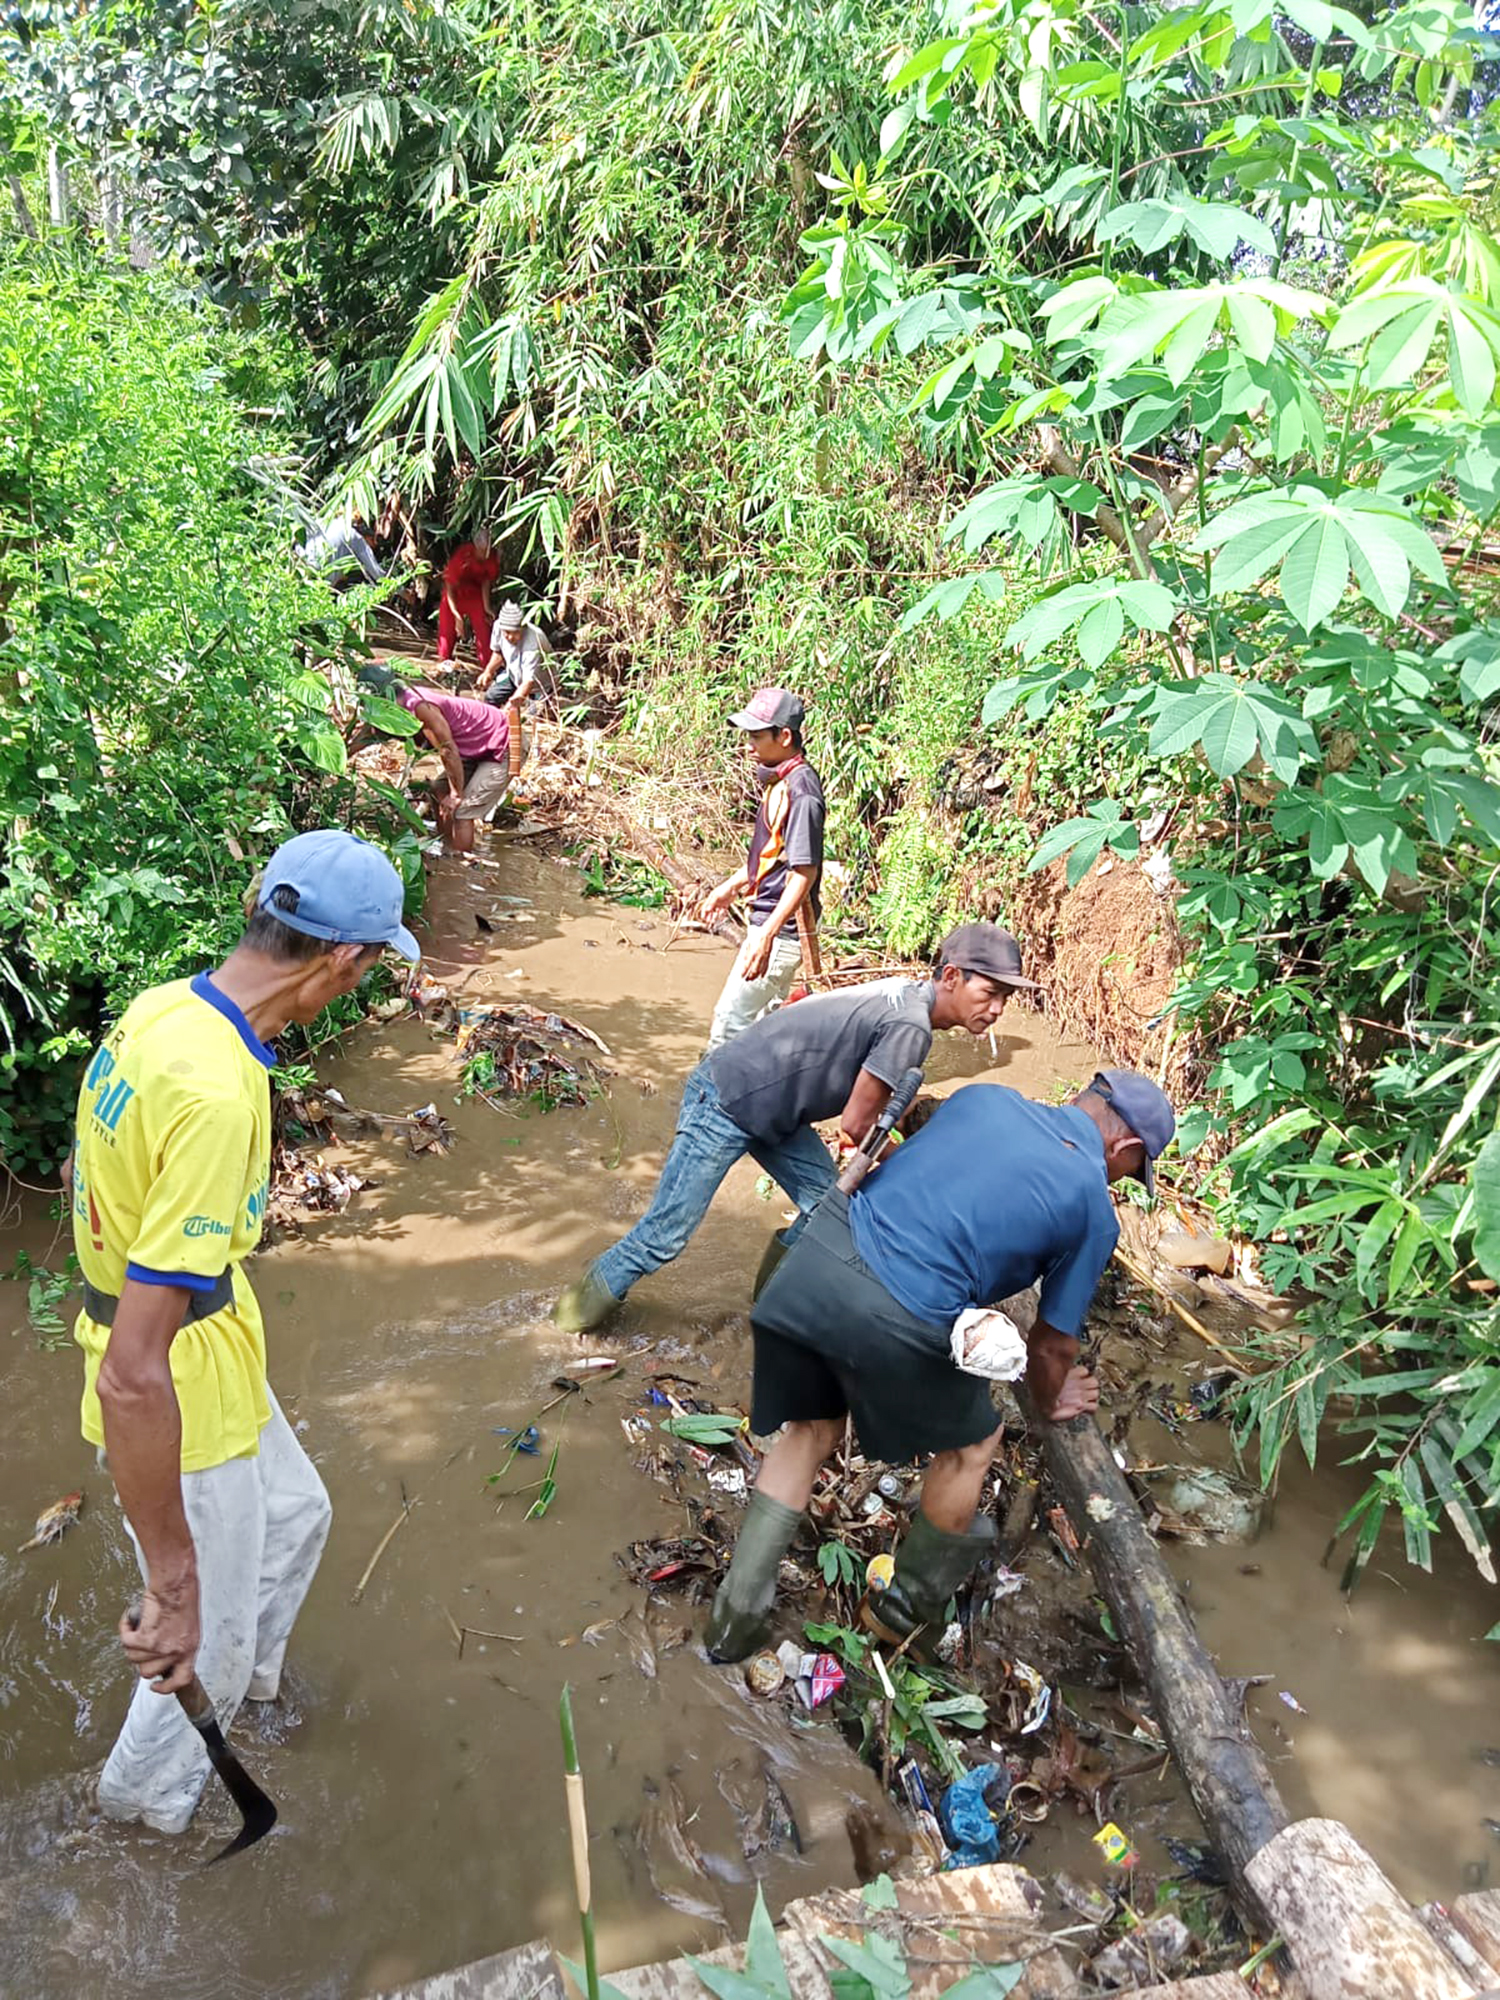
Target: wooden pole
{"x": 514, "y": 748}
{"x": 1228, "y": 1777}
{"x": 807, "y": 937}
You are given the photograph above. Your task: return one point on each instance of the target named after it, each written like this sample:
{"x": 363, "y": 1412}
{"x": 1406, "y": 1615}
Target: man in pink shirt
{"x": 472, "y": 739}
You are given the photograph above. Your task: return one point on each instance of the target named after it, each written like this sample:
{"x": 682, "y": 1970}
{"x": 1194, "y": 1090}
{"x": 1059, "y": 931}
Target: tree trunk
{"x": 1348, "y": 1929}
{"x": 25, "y": 220}
{"x": 1229, "y": 1779}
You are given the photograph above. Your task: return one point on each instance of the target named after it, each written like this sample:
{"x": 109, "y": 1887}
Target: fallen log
{"x": 1225, "y": 1771}
{"x": 1346, "y": 1926}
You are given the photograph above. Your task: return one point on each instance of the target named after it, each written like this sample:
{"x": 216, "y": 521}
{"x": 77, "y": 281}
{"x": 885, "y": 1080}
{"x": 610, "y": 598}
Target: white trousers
{"x": 745, "y": 1000}
{"x": 258, "y": 1525}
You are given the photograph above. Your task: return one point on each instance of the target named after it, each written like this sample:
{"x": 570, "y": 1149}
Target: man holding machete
{"x": 994, "y": 1194}
{"x": 170, "y": 1168}
{"x": 835, "y": 1055}
{"x": 782, "y": 871}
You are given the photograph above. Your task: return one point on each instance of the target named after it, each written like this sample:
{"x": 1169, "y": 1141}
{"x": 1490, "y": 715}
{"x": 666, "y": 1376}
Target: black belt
{"x": 101, "y": 1307}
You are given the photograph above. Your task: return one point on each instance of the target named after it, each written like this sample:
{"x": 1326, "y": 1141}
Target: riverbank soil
{"x": 415, "y": 1754}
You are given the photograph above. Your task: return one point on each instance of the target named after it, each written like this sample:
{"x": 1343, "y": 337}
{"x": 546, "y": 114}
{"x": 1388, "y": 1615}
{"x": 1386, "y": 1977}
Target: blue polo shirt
{"x": 995, "y": 1193}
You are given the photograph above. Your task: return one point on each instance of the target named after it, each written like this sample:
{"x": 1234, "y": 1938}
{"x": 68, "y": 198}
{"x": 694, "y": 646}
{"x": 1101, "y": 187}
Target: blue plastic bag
{"x": 966, "y": 1819}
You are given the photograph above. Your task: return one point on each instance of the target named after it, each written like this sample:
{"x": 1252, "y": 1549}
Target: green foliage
{"x": 926, "y": 1703}
{"x": 160, "y": 730}
{"x": 1237, "y": 491}
{"x": 622, "y": 880}
{"x": 45, "y": 1292}
{"x": 872, "y": 1969}
{"x": 837, "y": 1563}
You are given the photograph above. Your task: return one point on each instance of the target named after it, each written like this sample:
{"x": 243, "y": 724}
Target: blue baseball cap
{"x": 1146, "y": 1109}
{"x": 347, "y": 891}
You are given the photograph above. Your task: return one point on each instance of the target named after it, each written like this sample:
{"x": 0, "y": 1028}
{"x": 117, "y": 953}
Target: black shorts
{"x": 830, "y": 1339}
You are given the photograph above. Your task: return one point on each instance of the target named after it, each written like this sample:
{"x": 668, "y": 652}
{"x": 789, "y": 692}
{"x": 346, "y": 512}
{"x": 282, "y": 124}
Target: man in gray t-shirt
{"x": 837, "y": 1055}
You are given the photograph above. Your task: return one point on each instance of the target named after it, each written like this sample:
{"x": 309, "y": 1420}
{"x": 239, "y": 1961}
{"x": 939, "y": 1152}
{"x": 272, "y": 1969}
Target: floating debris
{"x": 1115, "y": 1846}
{"x": 1145, "y": 1954}
{"x": 511, "y": 1049}
{"x": 680, "y": 1561}
{"x": 1197, "y": 1504}
{"x": 54, "y": 1521}
{"x": 817, "y": 1677}
{"x": 764, "y": 1674}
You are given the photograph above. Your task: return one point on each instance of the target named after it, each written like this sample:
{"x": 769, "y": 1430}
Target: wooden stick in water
{"x": 385, "y": 1542}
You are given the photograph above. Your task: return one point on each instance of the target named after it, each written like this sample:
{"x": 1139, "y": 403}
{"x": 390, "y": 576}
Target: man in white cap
{"x": 170, "y": 1169}
{"x": 510, "y": 673}
{"x": 782, "y": 871}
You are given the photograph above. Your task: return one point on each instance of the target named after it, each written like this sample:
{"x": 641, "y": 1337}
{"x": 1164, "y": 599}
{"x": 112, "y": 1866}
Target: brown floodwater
{"x": 420, "y": 1787}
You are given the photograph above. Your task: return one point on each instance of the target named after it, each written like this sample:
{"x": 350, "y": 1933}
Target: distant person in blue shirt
{"x": 994, "y": 1194}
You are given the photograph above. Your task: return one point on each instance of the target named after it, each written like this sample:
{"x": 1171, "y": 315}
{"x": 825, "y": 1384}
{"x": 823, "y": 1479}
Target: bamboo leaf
{"x": 1458, "y": 1506}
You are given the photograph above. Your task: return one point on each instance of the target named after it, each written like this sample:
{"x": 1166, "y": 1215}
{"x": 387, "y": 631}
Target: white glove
{"x": 987, "y": 1342}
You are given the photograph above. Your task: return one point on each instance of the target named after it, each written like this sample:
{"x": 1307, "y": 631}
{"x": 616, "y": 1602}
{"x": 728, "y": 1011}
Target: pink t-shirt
{"x": 479, "y": 731}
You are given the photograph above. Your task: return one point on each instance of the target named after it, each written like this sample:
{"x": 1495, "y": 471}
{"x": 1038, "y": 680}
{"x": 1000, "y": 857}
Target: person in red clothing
{"x": 468, "y": 575}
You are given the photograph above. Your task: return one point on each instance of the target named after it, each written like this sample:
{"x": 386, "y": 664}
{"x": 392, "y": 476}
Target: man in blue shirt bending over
{"x": 994, "y": 1194}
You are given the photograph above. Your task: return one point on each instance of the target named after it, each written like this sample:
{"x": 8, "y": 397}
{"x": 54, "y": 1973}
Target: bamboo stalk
{"x": 578, "y": 1829}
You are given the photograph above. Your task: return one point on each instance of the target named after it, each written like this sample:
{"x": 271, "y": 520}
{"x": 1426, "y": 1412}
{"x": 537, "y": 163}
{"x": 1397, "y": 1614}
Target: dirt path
{"x": 422, "y": 1812}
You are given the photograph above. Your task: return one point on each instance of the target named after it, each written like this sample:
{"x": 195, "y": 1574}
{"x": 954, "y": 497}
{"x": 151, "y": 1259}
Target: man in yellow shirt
{"x": 171, "y": 1161}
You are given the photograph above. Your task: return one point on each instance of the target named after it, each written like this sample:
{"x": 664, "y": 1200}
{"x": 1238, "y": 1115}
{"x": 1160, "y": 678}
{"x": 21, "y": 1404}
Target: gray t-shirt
{"x": 798, "y": 1065}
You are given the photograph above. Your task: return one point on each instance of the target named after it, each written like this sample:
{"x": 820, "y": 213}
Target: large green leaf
{"x": 1484, "y": 1179}
{"x": 1178, "y": 324}
{"x": 1149, "y": 607}
{"x": 1399, "y": 323}
{"x": 1215, "y": 227}
{"x": 1084, "y": 839}
{"x": 1231, "y": 720}
{"x": 1319, "y": 539}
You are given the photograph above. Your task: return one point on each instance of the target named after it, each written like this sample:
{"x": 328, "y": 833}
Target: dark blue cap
{"x": 1145, "y": 1108}
{"x": 347, "y": 891}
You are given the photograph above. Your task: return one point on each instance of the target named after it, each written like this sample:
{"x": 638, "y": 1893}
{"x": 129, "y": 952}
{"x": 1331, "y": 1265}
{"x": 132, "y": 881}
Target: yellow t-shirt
{"x": 171, "y": 1162}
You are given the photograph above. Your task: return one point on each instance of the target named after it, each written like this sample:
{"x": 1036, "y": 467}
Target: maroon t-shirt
{"x": 479, "y": 731}
{"x": 788, "y": 833}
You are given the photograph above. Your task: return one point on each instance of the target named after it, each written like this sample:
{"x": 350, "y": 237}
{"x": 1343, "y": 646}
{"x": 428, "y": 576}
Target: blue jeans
{"x": 707, "y": 1144}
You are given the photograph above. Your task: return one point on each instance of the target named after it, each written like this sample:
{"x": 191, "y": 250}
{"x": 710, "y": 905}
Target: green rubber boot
{"x": 583, "y": 1305}
{"x": 931, "y": 1565}
{"x": 741, "y": 1613}
{"x": 774, "y": 1252}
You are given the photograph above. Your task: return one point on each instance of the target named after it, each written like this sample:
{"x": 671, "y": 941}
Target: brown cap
{"x": 987, "y": 950}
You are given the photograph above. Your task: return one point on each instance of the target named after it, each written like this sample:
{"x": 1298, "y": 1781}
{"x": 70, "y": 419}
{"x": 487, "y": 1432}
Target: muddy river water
{"x": 422, "y": 1816}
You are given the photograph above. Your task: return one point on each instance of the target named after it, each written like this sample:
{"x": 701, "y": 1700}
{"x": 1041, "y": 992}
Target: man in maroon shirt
{"x": 468, "y": 576}
{"x": 784, "y": 867}
{"x": 473, "y": 741}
